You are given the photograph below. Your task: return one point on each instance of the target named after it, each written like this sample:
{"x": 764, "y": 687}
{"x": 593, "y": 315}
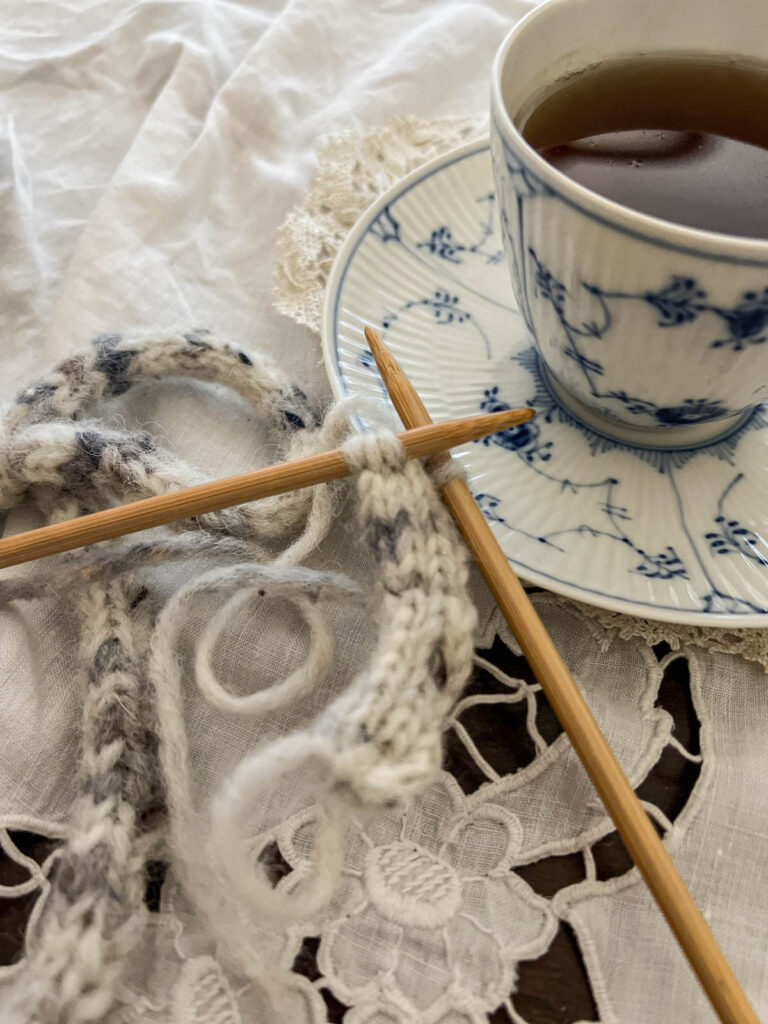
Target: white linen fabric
{"x": 149, "y": 153}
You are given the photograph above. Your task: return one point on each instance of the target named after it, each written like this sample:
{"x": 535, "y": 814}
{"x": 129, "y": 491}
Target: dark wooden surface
{"x": 553, "y": 989}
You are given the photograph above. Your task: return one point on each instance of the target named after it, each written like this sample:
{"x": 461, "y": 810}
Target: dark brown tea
{"x": 684, "y": 138}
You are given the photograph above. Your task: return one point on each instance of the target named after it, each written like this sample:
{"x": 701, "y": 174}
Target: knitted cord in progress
{"x": 380, "y": 741}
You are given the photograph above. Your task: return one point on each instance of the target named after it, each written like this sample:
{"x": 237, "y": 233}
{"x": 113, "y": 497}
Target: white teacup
{"x": 651, "y": 331}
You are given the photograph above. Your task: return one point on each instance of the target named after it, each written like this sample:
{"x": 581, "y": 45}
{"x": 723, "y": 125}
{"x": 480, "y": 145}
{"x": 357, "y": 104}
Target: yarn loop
{"x": 378, "y": 742}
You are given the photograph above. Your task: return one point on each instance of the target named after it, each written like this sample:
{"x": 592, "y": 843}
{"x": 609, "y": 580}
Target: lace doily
{"x": 504, "y": 866}
{"x": 352, "y": 172}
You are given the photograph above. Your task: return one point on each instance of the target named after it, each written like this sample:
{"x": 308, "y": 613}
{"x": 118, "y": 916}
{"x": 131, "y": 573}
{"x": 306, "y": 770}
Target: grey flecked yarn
{"x": 95, "y": 912}
{"x": 378, "y": 742}
{"x": 46, "y": 458}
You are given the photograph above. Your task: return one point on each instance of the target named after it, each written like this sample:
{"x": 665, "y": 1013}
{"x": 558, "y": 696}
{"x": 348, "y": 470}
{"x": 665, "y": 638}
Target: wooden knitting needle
{"x": 632, "y": 823}
{"x": 235, "y": 490}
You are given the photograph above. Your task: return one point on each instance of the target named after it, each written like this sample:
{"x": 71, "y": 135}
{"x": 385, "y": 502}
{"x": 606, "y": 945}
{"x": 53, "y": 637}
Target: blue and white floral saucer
{"x": 679, "y": 534}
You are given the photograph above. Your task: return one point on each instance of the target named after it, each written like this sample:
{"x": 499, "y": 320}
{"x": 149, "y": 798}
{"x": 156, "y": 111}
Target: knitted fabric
{"x": 379, "y": 742}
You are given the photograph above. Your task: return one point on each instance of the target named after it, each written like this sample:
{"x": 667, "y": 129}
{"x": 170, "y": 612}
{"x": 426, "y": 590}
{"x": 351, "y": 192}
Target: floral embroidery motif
{"x": 414, "y": 880}
{"x": 434, "y": 914}
{"x": 410, "y": 885}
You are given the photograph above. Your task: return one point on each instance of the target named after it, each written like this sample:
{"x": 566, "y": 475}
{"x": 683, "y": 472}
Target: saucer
{"x": 678, "y": 533}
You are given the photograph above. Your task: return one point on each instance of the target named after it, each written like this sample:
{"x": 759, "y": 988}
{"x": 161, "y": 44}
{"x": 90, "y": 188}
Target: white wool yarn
{"x": 377, "y": 743}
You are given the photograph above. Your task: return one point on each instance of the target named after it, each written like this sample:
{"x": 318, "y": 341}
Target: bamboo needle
{"x": 235, "y": 490}
{"x": 644, "y": 846}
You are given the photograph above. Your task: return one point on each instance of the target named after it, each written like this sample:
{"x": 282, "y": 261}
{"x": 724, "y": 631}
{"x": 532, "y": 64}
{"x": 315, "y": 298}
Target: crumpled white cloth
{"x": 148, "y": 154}
{"x": 150, "y": 150}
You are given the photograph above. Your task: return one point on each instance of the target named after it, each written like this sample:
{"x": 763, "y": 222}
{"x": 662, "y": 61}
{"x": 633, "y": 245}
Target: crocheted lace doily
{"x": 352, "y": 172}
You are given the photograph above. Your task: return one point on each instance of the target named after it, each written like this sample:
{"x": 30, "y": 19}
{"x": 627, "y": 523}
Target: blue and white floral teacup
{"x": 651, "y": 331}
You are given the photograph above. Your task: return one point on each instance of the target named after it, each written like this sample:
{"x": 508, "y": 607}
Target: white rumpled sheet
{"x": 148, "y": 154}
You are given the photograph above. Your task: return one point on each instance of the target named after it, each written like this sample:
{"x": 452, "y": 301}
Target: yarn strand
{"x": 379, "y": 741}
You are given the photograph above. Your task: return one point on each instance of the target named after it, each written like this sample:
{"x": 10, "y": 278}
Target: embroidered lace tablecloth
{"x": 148, "y": 155}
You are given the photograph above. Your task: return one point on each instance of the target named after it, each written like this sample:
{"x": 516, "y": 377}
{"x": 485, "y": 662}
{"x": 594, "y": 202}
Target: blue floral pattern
{"x": 526, "y": 442}
{"x": 446, "y": 309}
{"x": 386, "y": 228}
{"x": 444, "y": 244}
{"x": 678, "y": 301}
{"x": 675, "y": 305}
{"x": 523, "y": 439}
{"x": 731, "y": 537}
{"x": 682, "y": 300}
{"x": 596, "y": 506}
{"x": 444, "y": 306}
